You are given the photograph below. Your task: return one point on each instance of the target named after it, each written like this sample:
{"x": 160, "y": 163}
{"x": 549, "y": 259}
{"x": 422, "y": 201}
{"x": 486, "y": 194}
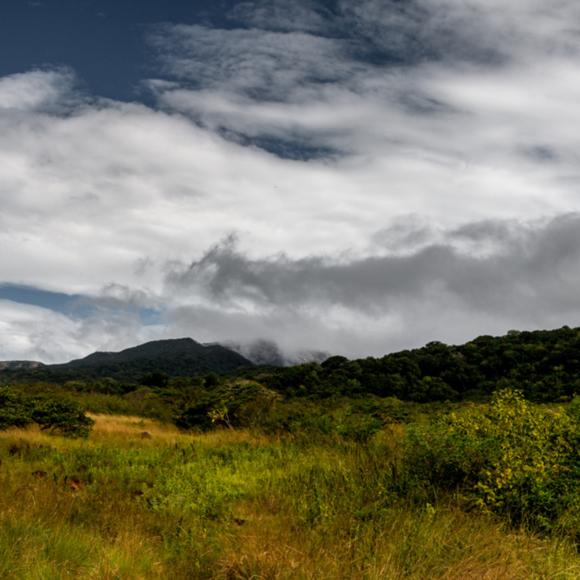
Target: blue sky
{"x": 338, "y": 176}
{"x": 102, "y": 40}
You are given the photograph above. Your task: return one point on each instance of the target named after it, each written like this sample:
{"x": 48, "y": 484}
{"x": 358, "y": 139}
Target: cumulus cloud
{"x": 258, "y": 62}
{"x": 482, "y": 277}
{"x": 490, "y": 275}
{"x": 34, "y": 333}
{"x": 452, "y": 133}
{"x": 393, "y": 173}
{"x": 36, "y": 90}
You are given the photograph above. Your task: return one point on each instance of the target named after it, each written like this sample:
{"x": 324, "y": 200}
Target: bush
{"x": 196, "y": 415}
{"x": 61, "y": 417}
{"x": 513, "y": 458}
{"x": 241, "y": 403}
{"x": 14, "y": 410}
{"x": 358, "y": 427}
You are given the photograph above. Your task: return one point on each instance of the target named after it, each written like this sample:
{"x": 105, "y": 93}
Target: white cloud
{"x": 248, "y": 60}
{"x": 35, "y": 333}
{"x": 455, "y": 119}
{"x": 491, "y": 275}
{"x": 303, "y": 16}
{"x": 34, "y": 90}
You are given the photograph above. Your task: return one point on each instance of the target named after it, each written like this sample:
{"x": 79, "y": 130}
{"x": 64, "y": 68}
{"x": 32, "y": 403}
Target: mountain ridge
{"x": 173, "y": 357}
{"x": 20, "y": 364}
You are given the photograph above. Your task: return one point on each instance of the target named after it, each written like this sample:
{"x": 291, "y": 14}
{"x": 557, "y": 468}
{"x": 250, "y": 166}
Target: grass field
{"x": 141, "y": 500}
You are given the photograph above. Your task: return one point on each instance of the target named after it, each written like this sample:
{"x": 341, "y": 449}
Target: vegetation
{"x": 421, "y": 464}
{"x": 368, "y": 489}
{"x": 57, "y": 415}
{"x": 142, "y": 500}
{"x": 518, "y": 460}
{"x": 545, "y": 365}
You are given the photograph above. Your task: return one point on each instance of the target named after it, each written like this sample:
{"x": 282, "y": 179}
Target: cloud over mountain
{"x": 382, "y": 173}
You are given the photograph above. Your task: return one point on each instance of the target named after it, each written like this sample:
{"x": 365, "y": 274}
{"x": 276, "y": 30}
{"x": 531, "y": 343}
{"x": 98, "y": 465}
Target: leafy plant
{"x": 240, "y": 403}
{"x": 14, "y": 410}
{"x": 512, "y": 458}
{"x": 62, "y": 417}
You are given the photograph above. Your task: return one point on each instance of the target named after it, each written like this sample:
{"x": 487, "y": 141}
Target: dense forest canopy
{"x": 545, "y": 365}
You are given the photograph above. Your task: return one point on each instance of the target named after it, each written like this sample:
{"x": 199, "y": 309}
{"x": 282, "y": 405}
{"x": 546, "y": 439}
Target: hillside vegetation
{"x": 447, "y": 462}
{"x": 545, "y": 365}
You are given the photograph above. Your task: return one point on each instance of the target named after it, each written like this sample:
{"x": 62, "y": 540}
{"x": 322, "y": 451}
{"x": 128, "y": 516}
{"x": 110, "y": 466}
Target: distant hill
{"x": 12, "y": 365}
{"x": 173, "y": 357}
{"x": 544, "y": 364}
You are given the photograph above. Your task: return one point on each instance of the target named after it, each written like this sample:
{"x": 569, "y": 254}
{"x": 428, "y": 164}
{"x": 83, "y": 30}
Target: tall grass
{"x": 230, "y": 504}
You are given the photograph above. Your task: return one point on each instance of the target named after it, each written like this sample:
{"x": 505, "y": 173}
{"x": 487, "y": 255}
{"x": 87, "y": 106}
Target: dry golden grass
{"x": 118, "y": 429}
{"x": 150, "y": 431}
{"x": 126, "y": 426}
{"x": 33, "y": 435}
{"x": 452, "y": 546}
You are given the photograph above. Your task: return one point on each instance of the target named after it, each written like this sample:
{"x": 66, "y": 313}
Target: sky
{"x": 347, "y": 177}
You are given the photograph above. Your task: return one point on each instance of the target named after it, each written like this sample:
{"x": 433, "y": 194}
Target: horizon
{"x": 239, "y": 348}
{"x": 356, "y": 179}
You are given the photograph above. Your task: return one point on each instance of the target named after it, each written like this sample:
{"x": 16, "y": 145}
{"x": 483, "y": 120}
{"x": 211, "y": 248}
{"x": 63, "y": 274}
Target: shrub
{"x": 62, "y": 417}
{"x": 513, "y": 458}
{"x": 241, "y": 403}
{"x": 196, "y": 415}
{"x": 301, "y": 417}
{"x": 358, "y": 427}
{"x": 14, "y": 410}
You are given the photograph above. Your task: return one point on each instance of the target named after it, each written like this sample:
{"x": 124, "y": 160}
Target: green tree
{"x": 62, "y": 417}
{"x": 15, "y": 410}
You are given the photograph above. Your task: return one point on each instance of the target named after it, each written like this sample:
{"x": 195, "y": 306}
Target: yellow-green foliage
{"x": 534, "y": 449}
{"x": 140, "y": 500}
{"x": 514, "y": 458}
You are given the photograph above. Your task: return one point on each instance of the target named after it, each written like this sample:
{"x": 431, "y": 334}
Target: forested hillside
{"x": 545, "y": 365}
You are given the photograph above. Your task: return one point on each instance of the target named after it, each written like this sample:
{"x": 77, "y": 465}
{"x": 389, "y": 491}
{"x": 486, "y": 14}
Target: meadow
{"x": 140, "y": 499}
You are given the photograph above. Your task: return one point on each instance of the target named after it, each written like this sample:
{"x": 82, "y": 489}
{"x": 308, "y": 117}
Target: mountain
{"x": 13, "y": 365}
{"x": 173, "y": 357}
